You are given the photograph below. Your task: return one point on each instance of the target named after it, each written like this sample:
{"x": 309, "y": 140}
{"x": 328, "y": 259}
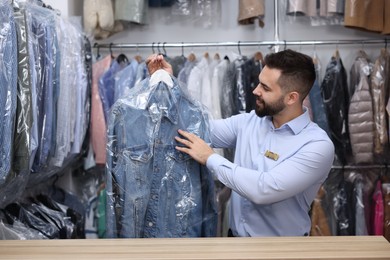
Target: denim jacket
{"x": 153, "y": 190}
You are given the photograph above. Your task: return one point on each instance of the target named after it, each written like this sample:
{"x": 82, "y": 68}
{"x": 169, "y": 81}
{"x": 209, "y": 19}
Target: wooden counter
{"x": 356, "y": 247}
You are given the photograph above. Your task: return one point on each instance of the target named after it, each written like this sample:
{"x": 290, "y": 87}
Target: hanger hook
{"x": 153, "y": 47}
{"x": 158, "y": 48}
{"x": 285, "y": 45}
{"x": 182, "y": 48}
{"x": 238, "y": 46}
{"x": 96, "y": 45}
{"x": 110, "y": 47}
{"x": 165, "y": 52}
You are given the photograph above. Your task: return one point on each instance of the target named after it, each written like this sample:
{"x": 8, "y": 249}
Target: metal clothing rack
{"x": 238, "y": 44}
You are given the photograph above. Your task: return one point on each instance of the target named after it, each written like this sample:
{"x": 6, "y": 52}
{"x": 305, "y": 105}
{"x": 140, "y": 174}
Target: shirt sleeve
{"x": 308, "y": 166}
{"x": 224, "y": 131}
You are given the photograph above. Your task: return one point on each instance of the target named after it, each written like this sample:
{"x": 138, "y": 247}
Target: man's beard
{"x": 269, "y": 109}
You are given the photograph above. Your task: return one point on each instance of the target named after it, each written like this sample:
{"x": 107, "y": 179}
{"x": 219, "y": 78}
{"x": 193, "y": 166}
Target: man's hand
{"x": 156, "y": 62}
{"x": 194, "y": 147}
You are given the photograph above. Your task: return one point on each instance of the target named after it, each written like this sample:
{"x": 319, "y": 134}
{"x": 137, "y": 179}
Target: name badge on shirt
{"x": 271, "y": 155}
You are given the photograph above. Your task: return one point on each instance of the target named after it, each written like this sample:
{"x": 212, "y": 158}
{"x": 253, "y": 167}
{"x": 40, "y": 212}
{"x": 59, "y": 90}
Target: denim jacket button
{"x": 150, "y": 224}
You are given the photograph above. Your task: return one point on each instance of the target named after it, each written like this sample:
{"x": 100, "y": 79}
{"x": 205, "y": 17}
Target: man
{"x": 281, "y": 157}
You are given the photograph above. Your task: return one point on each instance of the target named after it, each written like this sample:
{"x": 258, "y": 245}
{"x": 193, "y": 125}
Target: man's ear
{"x": 292, "y": 98}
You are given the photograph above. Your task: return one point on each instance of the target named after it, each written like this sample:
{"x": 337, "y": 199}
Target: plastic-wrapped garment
{"x": 72, "y": 100}
{"x": 42, "y": 34}
{"x": 32, "y": 219}
{"x": 98, "y": 16}
{"x": 319, "y": 220}
{"x": 379, "y": 78}
{"x": 181, "y": 7}
{"x": 377, "y": 210}
{"x": 18, "y": 231}
{"x": 107, "y": 86}
{"x": 344, "y": 209}
{"x": 252, "y": 68}
{"x": 365, "y": 14}
{"x": 135, "y": 11}
{"x": 358, "y": 199}
{"x": 360, "y": 113}
{"x": 335, "y": 97}
{"x": 125, "y": 80}
{"x": 98, "y": 122}
{"x": 8, "y": 90}
{"x": 185, "y": 72}
{"x": 317, "y": 104}
{"x": 14, "y": 137}
{"x": 228, "y": 106}
{"x": 331, "y": 186}
{"x": 386, "y": 198}
{"x": 22, "y": 140}
{"x": 153, "y": 190}
{"x": 239, "y": 91}
{"x": 249, "y": 10}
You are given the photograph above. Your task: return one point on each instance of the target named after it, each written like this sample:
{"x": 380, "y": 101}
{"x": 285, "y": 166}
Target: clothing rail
{"x": 239, "y": 44}
{"x": 355, "y": 167}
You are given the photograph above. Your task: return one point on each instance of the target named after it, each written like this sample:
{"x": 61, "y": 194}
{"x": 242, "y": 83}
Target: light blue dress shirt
{"x": 272, "y": 197}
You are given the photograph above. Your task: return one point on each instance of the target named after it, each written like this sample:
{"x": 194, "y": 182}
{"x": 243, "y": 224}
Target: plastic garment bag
{"x": 8, "y": 103}
{"x": 335, "y": 97}
{"x": 153, "y": 190}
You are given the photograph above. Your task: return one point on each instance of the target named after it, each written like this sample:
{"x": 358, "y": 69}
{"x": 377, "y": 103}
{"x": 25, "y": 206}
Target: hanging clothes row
{"x": 45, "y": 72}
{"x": 353, "y": 202}
{"x": 357, "y": 112}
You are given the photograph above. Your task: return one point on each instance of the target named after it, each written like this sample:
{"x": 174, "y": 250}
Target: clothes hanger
{"x": 337, "y": 53}
{"x": 98, "y": 56}
{"x": 258, "y": 56}
{"x": 110, "y": 48}
{"x": 138, "y": 57}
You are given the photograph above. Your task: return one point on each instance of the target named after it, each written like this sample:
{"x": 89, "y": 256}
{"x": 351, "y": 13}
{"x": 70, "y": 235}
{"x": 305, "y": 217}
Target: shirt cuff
{"x": 214, "y": 161}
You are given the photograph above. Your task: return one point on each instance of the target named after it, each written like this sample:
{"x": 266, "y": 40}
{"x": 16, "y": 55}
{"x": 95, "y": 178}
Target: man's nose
{"x": 257, "y": 91}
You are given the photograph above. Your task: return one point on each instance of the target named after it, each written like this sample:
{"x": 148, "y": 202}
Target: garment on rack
{"x": 135, "y": 11}
{"x": 360, "y": 112}
{"x": 335, "y": 97}
{"x": 8, "y": 90}
{"x": 98, "y": 122}
{"x": 319, "y": 220}
{"x": 379, "y": 80}
{"x": 42, "y": 31}
{"x": 252, "y": 68}
{"x": 185, "y": 72}
{"x": 366, "y": 15}
{"x": 153, "y": 190}
{"x": 125, "y": 80}
{"x": 22, "y": 139}
{"x": 239, "y": 91}
{"x": 377, "y": 209}
{"x": 386, "y": 200}
{"x": 107, "y": 86}
{"x": 316, "y": 101}
{"x": 250, "y": 10}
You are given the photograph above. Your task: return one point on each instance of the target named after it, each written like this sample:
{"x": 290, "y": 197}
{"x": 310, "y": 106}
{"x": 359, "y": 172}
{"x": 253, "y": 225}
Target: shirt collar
{"x": 297, "y": 124}
{"x": 300, "y": 122}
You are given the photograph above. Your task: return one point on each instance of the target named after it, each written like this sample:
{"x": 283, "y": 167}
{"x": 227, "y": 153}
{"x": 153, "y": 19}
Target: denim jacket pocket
{"x": 140, "y": 153}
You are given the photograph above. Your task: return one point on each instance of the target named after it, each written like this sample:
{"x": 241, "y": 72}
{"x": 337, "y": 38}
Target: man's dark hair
{"x": 298, "y": 72}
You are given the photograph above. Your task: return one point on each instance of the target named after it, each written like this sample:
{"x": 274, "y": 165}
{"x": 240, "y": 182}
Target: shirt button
{"x": 150, "y": 224}
{"x": 154, "y": 197}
